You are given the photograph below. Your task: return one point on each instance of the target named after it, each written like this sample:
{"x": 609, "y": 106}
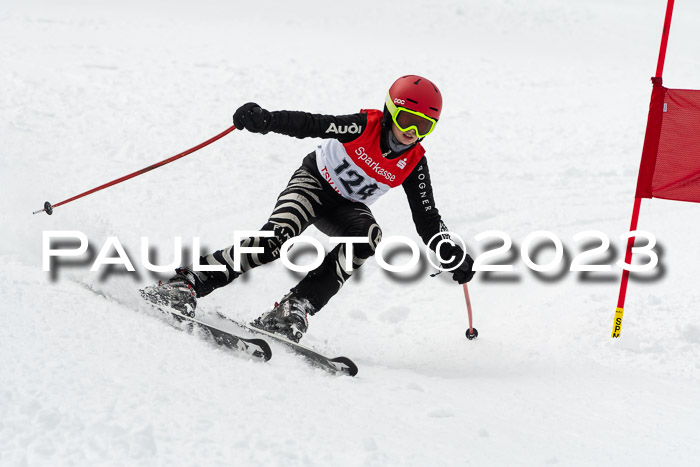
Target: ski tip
{"x": 346, "y": 366}
{"x": 264, "y": 348}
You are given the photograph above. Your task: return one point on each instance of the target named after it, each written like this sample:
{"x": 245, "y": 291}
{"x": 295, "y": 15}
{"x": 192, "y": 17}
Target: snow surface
{"x": 545, "y": 109}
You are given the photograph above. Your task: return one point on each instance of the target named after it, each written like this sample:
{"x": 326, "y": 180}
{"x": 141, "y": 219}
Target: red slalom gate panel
{"x": 670, "y": 166}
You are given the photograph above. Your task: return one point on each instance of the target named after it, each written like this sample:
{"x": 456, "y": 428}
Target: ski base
{"x": 338, "y": 365}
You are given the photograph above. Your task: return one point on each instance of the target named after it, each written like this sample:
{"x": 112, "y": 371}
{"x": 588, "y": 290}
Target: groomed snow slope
{"x": 545, "y": 108}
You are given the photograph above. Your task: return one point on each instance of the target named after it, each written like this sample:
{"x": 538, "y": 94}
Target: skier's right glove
{"x": 253, "y": 118}
{"x": 459, "y": 262}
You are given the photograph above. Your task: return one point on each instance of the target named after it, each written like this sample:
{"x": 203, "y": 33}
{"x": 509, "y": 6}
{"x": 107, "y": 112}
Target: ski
{"x": 257, "y": 348}
{"x": 338, "y": 365}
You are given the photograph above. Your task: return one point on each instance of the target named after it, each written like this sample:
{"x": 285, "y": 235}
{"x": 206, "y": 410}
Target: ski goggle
{"x": 407, "y": 119}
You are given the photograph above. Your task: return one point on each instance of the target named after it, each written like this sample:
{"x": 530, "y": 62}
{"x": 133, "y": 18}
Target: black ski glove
{"x": 253, "y": 118}
{"x": 455, "y": 256}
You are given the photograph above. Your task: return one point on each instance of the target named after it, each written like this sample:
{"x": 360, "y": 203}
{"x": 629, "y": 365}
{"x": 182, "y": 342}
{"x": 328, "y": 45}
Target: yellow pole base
{"x": 617, "y": 324}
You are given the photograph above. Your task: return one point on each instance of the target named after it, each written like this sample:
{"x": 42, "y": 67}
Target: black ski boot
{"x": 289, "y": 317}
{"x": 178, "y": 293}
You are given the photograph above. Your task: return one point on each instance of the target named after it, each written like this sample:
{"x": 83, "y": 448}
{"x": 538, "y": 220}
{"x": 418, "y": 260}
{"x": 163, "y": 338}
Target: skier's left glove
{"x": 253, "y": 118}
{"x": 456, "y": 258}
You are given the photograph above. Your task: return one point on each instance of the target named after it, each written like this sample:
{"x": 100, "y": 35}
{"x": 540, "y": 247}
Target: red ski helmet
{"x": 414, "y": 103}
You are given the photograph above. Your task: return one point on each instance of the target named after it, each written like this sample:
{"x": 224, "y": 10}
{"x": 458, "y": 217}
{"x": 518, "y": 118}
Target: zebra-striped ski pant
{"x": 306, "y": 200}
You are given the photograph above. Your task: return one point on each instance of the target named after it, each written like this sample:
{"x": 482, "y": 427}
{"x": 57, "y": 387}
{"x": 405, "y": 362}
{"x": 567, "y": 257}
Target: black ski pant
{"x": 308, "y": 199}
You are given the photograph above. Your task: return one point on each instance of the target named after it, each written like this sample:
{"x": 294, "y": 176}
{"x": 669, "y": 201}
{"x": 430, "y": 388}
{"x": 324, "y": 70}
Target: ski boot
{"x": 288, "y": 318}
{"x": 178, "y": 293}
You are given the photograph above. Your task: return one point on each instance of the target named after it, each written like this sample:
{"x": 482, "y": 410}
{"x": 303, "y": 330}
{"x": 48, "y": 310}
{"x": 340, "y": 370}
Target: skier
{"x": 361, "y": 157}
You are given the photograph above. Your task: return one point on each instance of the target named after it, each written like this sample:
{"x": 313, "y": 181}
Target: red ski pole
{"x": 471, "y": 333}
{"x": 48, "y": 207}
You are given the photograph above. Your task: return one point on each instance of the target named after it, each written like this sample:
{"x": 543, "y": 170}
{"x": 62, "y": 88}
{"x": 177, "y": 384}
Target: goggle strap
{"x": 390, "y": 105}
